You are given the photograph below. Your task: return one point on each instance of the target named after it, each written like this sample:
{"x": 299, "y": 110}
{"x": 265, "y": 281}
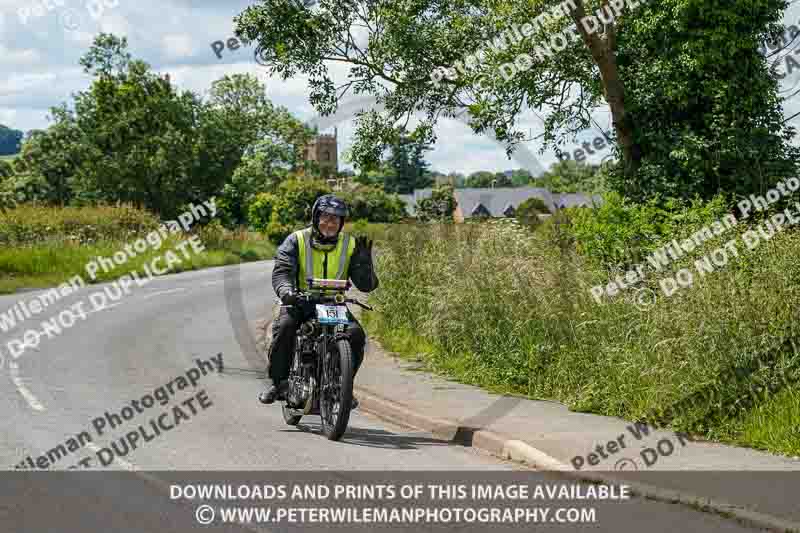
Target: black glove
{"x": 363, "y": 248}
{"x": 289, "y": 297}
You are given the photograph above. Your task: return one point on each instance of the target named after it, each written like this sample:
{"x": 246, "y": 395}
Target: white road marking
{"x": 207, "y": 283}
{"x": 27, "y": 394}
{"x": 123, "y": 463}
{"x": 164, "y": 292}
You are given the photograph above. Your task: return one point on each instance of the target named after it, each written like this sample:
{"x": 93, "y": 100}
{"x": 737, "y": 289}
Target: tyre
{"x": 290, "y": 419}
{"x": 337, "y": 391}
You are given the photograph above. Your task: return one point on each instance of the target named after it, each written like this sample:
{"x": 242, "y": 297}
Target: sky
{"x": 42, "y": 40}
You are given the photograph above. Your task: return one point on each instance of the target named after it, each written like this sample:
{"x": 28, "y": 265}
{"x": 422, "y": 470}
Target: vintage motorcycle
{"x": 321, "y": 374}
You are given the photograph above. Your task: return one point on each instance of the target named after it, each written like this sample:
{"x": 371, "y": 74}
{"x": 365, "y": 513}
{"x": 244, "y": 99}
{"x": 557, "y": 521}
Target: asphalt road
{"x": 57, "y": 391}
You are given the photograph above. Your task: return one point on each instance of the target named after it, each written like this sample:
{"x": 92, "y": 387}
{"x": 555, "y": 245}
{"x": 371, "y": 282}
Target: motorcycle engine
{"x": 300, "y": 387}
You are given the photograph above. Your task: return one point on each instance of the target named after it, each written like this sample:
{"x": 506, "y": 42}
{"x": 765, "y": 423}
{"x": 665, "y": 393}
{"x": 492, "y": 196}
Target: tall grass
{"x": 500, "y": 307}
{"x": 29, "y": 225}
{"x": 44, "y": 246}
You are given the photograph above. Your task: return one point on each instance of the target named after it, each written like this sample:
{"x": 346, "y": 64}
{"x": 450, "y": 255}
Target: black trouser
{"x": 284, "y": 329}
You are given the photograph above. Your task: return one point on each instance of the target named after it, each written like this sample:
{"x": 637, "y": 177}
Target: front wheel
{"x": 337, "y": 390}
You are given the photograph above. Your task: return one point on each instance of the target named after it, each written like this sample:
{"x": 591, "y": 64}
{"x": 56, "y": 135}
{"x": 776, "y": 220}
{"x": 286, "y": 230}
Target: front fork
{"x": 329, "y": 334}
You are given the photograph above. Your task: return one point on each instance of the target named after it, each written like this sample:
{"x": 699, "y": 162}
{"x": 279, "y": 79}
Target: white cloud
{"x": 79, "y": 37}
{"x": 177, "y": 45}
{"x": 10, "y": 57}
{"x": 7, "y": 116}
{"x": 118, "y": 24}
{"x": 17, "y": 83}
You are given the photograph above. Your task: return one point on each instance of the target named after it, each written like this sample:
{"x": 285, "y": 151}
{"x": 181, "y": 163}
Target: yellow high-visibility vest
{"x": 326, "y": 265}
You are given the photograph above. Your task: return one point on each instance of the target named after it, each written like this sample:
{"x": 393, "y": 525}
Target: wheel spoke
{"x": 332, "y": 388}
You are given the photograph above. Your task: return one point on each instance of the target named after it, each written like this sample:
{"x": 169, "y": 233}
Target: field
{"x": 42, "y": 246}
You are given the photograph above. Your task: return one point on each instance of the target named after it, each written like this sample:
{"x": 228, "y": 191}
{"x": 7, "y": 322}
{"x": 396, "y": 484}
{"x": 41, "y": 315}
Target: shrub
{"x": 530, "y": 205}
{"x": 295, "y": 198}
{"x": 527, "y": 213}
{"x": 374, "y": 205}
{"x": 212, "y": 235}
{"x": 27, "y": 187}
{"x": 289, "y": 209}
{"x": 277, "y": 231}
{"x": 440, "y": 206}
{"x": 260, "y": 211}
{"x": 6, "y": 169}
{"x": 360, "y": 228}
{"x": 620, "y": 232}
{"x": 28, "y": 224}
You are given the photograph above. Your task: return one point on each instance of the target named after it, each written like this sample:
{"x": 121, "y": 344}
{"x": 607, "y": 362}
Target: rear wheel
{"x": 337, "y": 390}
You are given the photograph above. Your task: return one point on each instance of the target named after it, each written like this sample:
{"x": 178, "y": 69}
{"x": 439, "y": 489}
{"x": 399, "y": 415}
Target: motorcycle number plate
{"x": 332, "y": 314}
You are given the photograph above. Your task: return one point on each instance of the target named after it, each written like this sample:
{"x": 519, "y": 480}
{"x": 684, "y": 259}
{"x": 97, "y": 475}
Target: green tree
{"x": 458, "y": 179}
{"x": 693, "y": 105}
{"x": 9, "y": 140}
{"x": 241, "y": 122}
{"x": 374, "y": 205}
{"x": 55, "y": 154}
{"x": 485, "y": 179}
{"x": 259, "y": 145}
{"x": 409, "y": 168}
{"x": 26, "y": 187}
{"x": 521, "y": 177}
{"x": 291, "y": 207}
{"x": 254, "y": 175}
{"x": 140, "y": 136}
{"x": 5, "y": 169}
{"x": 260, "y": 211}
{"x": 570, "y": 176}
{"x": 480, "y": 179}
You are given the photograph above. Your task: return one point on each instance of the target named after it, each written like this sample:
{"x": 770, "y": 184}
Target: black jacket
{"x": 285, "y": 272}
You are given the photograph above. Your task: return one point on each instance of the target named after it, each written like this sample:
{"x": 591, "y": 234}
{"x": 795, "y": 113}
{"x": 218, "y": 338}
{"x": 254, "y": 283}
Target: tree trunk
{"x": 603, "y": 52}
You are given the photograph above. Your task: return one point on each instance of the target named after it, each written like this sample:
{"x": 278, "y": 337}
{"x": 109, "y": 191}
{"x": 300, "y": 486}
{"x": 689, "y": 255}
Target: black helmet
{"x": 332, "y": 205}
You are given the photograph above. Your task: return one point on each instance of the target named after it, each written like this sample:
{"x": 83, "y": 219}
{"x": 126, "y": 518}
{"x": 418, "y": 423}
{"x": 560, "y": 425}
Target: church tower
{"x": 323, "y": 150}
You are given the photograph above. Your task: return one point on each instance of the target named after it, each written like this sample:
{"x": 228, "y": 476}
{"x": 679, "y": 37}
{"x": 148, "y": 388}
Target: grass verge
{"x": 45, "y": 246}
{"x": 493, "y": 306}
{"x": 47, "y": 265}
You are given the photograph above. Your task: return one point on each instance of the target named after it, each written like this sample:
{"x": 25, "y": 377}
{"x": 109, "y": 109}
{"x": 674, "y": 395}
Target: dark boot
{"x": 274, "y": 393}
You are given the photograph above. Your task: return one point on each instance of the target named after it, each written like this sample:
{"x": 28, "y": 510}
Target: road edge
{"x": 506, "y": 447}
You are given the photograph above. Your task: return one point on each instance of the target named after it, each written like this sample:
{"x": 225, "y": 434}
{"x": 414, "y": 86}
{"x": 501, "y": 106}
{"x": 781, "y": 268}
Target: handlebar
{"x": 340, "y": 286}
{"x": 312, "y": 298}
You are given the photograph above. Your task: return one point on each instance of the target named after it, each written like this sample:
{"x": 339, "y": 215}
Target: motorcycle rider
{"x": 334, "y": 254}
